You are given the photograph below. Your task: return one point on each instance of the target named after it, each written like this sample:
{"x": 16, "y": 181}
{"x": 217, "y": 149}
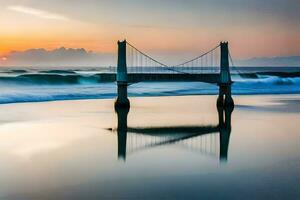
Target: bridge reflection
{"x": 212, "y": 140}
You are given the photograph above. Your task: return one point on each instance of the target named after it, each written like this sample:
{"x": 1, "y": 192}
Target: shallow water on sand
{"x": 170, "y": 147}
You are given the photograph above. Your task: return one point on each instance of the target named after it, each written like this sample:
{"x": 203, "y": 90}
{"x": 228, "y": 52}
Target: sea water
{"x": 35, "y": 85}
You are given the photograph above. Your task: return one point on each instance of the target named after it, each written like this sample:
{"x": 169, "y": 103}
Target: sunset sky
{"x": 168, "y": 28}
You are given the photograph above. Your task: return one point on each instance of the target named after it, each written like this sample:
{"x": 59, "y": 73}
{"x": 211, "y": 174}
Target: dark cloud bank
{"x": 59, "y": 57}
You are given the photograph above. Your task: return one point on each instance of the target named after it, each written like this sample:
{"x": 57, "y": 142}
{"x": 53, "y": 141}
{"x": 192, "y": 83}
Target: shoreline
{"x": 150, "y": 96}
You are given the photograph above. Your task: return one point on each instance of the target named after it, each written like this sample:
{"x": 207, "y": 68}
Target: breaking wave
{"x": 48, "y": 85}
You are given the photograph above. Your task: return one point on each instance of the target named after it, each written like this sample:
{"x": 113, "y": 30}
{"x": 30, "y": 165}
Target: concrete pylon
{"x": 225, "y": 79}
{"x": 122, "y": 78}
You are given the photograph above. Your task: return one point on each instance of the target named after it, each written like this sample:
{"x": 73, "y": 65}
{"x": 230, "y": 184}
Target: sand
{"x": 69, "y": 149}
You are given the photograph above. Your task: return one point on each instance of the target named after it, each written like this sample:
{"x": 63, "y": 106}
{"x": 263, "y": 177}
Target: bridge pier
{"x": 122, "y": 100}
{"x": 225, "y": 99}
{"x": 122, "y": 77}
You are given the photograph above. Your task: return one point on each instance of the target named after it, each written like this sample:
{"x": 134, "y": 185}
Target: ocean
{"x": 48, "y": 84}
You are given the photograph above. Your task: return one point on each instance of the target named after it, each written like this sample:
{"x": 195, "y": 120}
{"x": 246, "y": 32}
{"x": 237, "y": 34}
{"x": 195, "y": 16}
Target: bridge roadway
{"x": 163, "y": 77}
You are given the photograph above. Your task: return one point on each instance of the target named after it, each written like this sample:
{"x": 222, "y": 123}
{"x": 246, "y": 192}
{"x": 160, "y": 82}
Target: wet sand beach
{"x": 163, "y": 148}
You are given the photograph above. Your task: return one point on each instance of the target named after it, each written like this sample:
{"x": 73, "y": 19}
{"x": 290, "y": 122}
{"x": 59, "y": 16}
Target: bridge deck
{"x": 164, "y": 77}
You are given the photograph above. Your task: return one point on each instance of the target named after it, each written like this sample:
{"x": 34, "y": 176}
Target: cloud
{"x": 58, "y": 58}
{"x": 38, "y": 13}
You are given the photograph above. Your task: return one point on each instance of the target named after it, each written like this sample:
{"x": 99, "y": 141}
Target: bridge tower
{"x": 225, "y": 79}
{"x": 122, "y": 78}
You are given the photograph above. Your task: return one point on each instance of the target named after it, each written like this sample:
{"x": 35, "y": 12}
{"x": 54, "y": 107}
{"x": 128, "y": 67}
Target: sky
{"x": 168, "y": 29}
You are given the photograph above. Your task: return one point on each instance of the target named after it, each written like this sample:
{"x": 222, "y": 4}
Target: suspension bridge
{"x": 136, "y": 66}
{"x": 212, "y": 67}
{"x": 208, "y": 140}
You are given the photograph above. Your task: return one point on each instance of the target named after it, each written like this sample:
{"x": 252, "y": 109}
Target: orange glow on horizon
{"x": 159, "y": 41}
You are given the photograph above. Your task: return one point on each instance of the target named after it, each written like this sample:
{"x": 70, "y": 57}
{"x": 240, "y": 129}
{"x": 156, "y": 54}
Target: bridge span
{"x": 135, "y": 66}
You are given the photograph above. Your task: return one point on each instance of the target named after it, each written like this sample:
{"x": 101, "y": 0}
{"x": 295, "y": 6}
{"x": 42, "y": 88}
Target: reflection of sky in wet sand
{"x": 61, "y": 150}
